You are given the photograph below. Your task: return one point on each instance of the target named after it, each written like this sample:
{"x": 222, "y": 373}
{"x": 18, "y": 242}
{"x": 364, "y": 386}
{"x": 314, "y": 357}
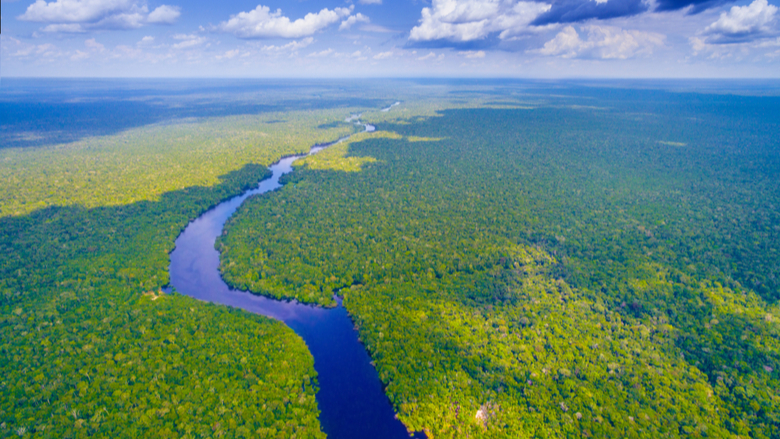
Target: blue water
{"x": 352, "y": 402}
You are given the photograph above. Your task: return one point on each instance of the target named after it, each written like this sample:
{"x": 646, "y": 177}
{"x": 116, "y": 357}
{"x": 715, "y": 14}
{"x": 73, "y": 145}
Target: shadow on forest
{"x": 29, "y": 124}
{"x": 128, "y": 244}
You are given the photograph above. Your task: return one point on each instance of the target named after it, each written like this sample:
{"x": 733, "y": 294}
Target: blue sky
{"x": 389, "y": 38}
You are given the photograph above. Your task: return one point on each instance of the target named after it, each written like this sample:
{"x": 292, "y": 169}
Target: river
{"x": 351, "y": 400}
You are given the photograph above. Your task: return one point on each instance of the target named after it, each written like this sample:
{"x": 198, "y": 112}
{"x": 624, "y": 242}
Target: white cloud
{"x": 370, "y": 2}
{"x": 75, "y": 11}
{"x": 71, "y": 28}
{"x": 766, "y": 47}
{"x": 604, "y": 42}
{"x": 472, "y": 54}
{"x": 292, "y": 46}
{"x": 75, "y": 16}
{"x": 358, "y": 54}
{"x": 92, "y": 48}
{"x": 94, "y": 45}
{"x": 164, "y": 15}
{"x": 230, "y": 54}
{"x": 146, "y": 40}
{"x": 188, "y": 41}
{"x": 469, "y": 20}
{"x": 384, "y": 55}
{"x": 262, "y": 23}
{"x": 770, "y": 43}
{"x": 45, "y": 49}
{"x": 567, "y": 44}
{"x": 697, "y": 44}
{"x": 320, "y": 54}
{"x": 126, "y": 52}
{"x": 352, "y": 19}
{"x": 431, "y": 55}
{"x": 44, "y": 52}
{"x": 743, "y": 23}
{"x": 25, "y": 51}
{"x": 127, "y": 20}
{"x": 378, "y": 29}
{"x": 79, "y": 55}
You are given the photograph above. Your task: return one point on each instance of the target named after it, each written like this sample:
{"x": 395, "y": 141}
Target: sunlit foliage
{"x": 89, "y": 347}
{"x": 602, "y": 267}
{"x": 144, "y": 163}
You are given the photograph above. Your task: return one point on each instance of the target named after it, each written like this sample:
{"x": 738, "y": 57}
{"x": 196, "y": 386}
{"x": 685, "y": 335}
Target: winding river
{"x": 350, "y": 398}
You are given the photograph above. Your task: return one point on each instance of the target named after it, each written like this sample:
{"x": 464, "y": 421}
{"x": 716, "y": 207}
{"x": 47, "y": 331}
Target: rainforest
{"x": 519, "y": 259}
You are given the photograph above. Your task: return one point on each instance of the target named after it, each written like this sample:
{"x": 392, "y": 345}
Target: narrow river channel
{"x": 351, "y": 400}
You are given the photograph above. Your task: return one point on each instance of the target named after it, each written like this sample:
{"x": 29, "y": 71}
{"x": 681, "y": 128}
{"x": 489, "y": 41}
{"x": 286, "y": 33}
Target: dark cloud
{"x": 698, "y": 5}
{"x": 736, "y": 38}
{"x": 572, "y": 11}
{"x": 485, "y": 43}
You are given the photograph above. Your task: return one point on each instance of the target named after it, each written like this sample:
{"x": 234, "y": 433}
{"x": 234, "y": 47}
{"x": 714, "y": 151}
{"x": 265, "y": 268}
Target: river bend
{"x": 350, "y": 397}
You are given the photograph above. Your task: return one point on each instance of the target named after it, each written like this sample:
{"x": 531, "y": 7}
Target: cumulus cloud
{"x": 384, "y": 55}
{"x": 94, "y": 45}
{"x": 70, "y": 28}
{"x": 378, "y": 29}
{"x": 572, "y": 11}
{"x": 352, "y": 19}
{"x": 292, "y": 46}
{"x": 602, "y": 42}
{"x": 164, "y": 15}
{"x": 230, "y": 54}
{"x": 432, "y": 56}
{"x": 743, "y": 23}
{"x": 79, "y": 55}
{"x": 75, "y": 16}
{"x": 473, "y": 53}
{"x": 462, "y": 21}
{"x": 262, "y": 23}
{"x": 188, "y": 41}
{"x": 76, "y": 11}
{"x": 321, "y": 54}
{"x": 40, "y": 52}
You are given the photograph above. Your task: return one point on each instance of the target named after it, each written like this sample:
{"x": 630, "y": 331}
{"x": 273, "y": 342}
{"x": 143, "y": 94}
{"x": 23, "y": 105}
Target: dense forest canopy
{"x": 144, "y": 163}
{"x": 89, "y": 346}
{"x": 521, "y": 259}
{"x": 604, "y": 264}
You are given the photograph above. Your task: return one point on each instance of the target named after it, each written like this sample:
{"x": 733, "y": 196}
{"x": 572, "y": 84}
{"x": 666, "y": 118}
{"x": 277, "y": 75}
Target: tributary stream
{"x": 350, "y": 397}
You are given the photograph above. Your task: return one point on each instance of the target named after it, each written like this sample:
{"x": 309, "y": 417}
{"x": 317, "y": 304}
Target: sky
{"x": 391, "y": 38}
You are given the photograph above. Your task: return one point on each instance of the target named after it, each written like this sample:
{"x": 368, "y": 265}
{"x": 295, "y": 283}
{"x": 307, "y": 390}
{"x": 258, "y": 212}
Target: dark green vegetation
{"x": 83, "y": 353}
{"x": 88, "y": 346}
{"x": 564, "y": 271}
